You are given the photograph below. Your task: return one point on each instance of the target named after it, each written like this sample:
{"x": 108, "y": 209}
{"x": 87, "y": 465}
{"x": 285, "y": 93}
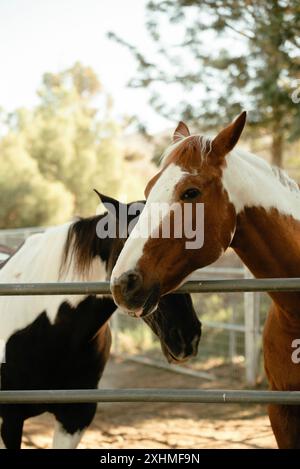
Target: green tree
{"x": 27, "y": 198}
{"x": 228, "y": 55}
{"x": 70, "y": 140}
{"x": 52, "y": 156}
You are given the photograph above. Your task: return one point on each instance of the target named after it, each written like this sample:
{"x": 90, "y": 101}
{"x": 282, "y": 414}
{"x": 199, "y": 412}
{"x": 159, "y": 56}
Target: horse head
{"x": 187, "y": 223}
{"x": 174, "y": 321}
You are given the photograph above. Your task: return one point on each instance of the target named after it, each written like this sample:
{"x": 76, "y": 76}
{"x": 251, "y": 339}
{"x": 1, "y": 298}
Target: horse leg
{"x": 11, "y": 432}
{"x": 71, "y": 424}
{"x": 2, "y": 446}
{"x": 285, "y": 422}
{"x": 64, "y": 440}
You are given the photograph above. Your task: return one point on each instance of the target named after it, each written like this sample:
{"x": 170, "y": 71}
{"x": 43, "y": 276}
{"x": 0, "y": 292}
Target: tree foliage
{"x": 227, "y": 56}
{"x": 27, "y": 198}
{"x": 52, "y": 156}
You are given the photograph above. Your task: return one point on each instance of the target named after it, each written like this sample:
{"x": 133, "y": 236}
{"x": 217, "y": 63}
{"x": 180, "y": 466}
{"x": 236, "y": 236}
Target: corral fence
{"x": 231, "y": 333}
{"x": 151, "y": 395}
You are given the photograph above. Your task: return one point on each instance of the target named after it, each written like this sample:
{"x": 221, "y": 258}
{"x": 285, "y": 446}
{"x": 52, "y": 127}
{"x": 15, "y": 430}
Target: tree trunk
{"x": 277, "y": 149}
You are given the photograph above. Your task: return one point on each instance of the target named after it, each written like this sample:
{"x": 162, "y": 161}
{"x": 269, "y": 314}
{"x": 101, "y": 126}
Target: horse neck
{"x": 51, "y": 257}
{"x": 267, "y": 237}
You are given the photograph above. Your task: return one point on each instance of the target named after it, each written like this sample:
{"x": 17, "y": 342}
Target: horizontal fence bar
{"x": 24, "y": 231}
{"x": 224, "y": 326}
{"x": 216, "y": 396}
{"x": 194, "y": 286}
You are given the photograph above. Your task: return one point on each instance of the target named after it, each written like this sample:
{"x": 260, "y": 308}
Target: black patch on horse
{"x": 63, "y": 355}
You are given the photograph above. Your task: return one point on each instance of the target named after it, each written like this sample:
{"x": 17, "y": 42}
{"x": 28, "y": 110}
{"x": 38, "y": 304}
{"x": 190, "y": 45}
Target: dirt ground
{"x": 151, "y": 425}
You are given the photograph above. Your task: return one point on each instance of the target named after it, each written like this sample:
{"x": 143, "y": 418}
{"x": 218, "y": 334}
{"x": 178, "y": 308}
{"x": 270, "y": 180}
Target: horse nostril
{"x": 130, "y": 282}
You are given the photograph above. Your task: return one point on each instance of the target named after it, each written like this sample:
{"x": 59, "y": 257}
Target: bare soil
{"x": 141, "y": 425}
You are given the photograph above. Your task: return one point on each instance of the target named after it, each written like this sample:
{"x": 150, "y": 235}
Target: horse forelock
{"x": 187, "y": 151}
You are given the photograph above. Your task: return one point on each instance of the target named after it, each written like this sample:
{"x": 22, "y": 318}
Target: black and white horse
{"x": 63, "y": 342}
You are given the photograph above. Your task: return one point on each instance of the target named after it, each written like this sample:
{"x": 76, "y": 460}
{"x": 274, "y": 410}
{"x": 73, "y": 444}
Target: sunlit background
{"x": 90, "y": 93}
{"x": 50, "y": 36}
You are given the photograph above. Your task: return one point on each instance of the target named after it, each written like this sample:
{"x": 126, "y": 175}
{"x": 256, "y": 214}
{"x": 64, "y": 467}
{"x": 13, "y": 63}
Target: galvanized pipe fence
{"x": 198, "y": 396}
{"x": 193, "y": 286}
{"x": 230, "y": 335}
{"x": 152, "y": 395}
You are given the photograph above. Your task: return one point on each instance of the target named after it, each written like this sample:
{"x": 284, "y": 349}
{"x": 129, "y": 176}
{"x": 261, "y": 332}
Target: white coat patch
{"x": 251, "y": 182}
{"x": 38, "y": 261}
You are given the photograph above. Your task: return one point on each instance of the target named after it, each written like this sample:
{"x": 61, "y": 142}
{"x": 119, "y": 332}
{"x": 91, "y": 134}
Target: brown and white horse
{"x": 248, "y": 205}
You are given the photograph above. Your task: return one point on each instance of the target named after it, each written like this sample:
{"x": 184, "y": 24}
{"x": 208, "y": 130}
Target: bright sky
{"x": 50, "y": 35}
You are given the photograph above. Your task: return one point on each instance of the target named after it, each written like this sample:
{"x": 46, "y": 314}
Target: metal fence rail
{"x": 215, "y": 396}
{"x": 152, "y": 395}
{"x": 231, "y": 340}
{"x": 194, "y": 286}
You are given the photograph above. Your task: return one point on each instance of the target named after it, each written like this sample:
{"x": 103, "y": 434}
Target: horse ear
{"x": 112, "y": 205}
{"x": 226, "y": 140}
{"x": 181, "y": 131}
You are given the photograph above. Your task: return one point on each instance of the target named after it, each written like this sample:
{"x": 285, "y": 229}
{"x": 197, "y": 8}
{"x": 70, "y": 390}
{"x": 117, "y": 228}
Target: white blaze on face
{"x": 161, "y": 192}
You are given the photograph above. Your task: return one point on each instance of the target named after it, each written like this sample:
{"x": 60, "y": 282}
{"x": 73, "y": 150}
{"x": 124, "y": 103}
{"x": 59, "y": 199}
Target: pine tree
{"x": 229, "y": 55}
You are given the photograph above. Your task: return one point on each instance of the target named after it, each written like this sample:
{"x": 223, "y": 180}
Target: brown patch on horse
{"x": 282, "y": 373}
{"x": 268, "y": 242}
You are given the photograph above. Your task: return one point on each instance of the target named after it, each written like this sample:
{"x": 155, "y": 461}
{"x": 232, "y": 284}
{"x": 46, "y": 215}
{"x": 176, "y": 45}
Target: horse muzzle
{"x": 132, "y": 297}
{"x": 179, "y": 350}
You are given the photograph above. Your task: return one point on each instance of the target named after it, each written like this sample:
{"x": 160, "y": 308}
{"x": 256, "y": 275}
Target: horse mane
{"x": 82, "y": 244}
{"x": 279, "y": 174}
{"x": 285, "y": 179}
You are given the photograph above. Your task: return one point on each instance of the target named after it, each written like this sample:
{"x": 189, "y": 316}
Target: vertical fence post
{"x": 251, "y": 315}
{"x": 232, "y": 338}
{"x": 114, "y": 323}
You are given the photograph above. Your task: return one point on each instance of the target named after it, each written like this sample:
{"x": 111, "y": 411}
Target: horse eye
{"x": 190, "y": 194}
